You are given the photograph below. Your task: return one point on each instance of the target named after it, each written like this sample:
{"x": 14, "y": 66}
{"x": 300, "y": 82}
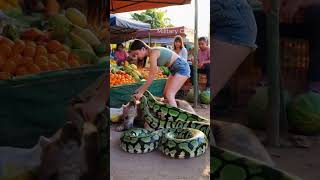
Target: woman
{"x": 234, "y": 36}
{"x": 179, "y": 48}
{"x": 120, "y": 53}
{"x": 159, "y": 56}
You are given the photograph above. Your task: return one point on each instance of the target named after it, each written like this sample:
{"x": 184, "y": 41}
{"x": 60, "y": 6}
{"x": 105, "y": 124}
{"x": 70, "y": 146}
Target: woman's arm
{"x": 152, "y": 73}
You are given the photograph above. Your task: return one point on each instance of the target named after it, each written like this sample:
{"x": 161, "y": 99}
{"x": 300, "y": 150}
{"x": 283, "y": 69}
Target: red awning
{"x": 119, "y": 6}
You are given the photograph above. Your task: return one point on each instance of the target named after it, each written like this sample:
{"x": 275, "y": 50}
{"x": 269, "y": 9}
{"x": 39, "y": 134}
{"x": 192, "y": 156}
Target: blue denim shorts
{"x": 233, "y": 22}
{"x": 181, "y": 67}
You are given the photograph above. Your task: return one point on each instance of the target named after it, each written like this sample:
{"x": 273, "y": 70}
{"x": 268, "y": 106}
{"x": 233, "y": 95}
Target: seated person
{"x": 203, "y": 60}
{"x": 120, "y": 54}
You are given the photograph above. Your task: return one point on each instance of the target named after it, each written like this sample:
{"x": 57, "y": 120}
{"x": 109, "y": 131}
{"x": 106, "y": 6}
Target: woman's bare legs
{"x": 226, "y": 58}
{"x": 174, "y": 83}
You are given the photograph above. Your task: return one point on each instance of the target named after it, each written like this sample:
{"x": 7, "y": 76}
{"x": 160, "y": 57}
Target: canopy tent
{"x": 122, "y": 29}
{"x": 117, "y": 6}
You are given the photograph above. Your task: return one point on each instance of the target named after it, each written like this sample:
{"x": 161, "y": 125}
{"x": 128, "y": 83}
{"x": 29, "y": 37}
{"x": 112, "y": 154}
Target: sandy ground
{"x": 302, "y": 162}
{"x": 155, "y": 165}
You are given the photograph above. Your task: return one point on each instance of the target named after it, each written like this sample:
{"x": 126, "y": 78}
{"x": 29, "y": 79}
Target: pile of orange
{"x": 26, "y": 57}
{"x": 120, "y": 78}
{"x": 145, "y": 73}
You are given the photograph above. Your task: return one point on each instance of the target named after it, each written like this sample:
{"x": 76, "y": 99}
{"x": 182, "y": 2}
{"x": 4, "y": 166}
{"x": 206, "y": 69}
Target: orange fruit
{"x": 53, "y": 58}
{"x": 21, "y": 71}
{"x": 5, "y": 50}
{"x": 16, "y": 59}
{"x": 5, "y": 75}
{"x": 41, "y": 60}
{"x": 44, "y": 67}
{"x": 62, "y": 56}
{"x": 41, "y": 51}
{"x": 2, "y": 61}
{"x": 26, "y": 60}
{"x": 29, "y": 51}
{"x": 63, "y": 65}
{"x": 33, "y": 68}
{"x": 6, "y": 41}
{"x": 30, "y": 43}
{"x": 54, "y": 46}
{"x": 9, "y": 67}
{"x": 53, "y": 66}
{"x": 73, "y": 63}
{"x": 18, "y": 47}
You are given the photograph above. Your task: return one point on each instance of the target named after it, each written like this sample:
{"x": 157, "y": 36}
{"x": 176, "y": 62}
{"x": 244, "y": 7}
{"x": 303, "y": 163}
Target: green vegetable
{"x": 304, "y": 114}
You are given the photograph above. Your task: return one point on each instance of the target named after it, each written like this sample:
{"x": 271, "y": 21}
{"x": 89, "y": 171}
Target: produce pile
{"x": 129, "y": 73}
{"x": 46, "y": 43}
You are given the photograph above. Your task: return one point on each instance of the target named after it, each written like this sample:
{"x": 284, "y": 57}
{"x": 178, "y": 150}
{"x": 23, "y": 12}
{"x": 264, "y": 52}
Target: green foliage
{"x": 155, "y": 17}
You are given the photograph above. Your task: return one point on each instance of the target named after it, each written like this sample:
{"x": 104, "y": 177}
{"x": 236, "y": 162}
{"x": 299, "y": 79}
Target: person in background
{"x": 159, "y": 56}
{"x": 190, "y": 55}
{"x": 178, "y": 47}
{"x": 203, "y": 60}
{"x": 120, "y": 54}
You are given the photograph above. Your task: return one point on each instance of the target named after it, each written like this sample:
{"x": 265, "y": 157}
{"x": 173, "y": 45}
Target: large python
{"x": 177, "y": 133}
{"x": 225, "y": 164}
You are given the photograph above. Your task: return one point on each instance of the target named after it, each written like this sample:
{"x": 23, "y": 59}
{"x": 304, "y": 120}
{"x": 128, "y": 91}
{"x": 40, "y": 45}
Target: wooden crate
{"x": 294, "y": 56}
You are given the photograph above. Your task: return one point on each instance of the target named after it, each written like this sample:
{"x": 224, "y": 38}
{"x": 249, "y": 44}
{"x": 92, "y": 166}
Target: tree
{"x": 156, "y": 18}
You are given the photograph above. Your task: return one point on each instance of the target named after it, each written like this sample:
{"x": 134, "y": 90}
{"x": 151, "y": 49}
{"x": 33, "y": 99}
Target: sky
{"x": 183, "y": 15}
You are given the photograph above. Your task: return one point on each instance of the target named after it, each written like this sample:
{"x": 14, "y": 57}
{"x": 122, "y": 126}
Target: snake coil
{"x": 176, "y": 132}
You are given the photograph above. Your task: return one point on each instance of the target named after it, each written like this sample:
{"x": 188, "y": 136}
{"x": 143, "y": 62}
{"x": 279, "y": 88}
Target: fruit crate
{"x": 35, "y": 105}
{"x": 294, "y": 57}
{"x": 294, "y": 64}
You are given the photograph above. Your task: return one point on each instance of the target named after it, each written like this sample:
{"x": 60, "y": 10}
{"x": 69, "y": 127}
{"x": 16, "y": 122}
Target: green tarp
{"x": 121, "y": 94}
{"x": 35, "y": 105}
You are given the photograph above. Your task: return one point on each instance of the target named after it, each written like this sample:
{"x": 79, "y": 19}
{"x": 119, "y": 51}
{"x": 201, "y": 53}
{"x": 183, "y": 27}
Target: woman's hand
{"x": 137, "y": 96}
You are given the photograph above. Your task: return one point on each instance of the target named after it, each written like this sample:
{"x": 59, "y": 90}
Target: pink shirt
{"x": 121, "y": 55}
{"x": 204, "y": 55}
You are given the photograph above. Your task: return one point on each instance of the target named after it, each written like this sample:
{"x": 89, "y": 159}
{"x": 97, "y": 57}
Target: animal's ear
{"x": 43, "y": 141}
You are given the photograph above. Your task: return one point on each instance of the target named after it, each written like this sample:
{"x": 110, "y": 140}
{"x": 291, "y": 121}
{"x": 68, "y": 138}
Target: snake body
{"x": 177, "y": 133}
{"x": 180, "y": 134}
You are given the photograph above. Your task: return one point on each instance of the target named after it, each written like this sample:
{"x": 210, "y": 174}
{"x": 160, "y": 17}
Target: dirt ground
{"x": 155, "y": 165}
{"x": 302, "y": 162}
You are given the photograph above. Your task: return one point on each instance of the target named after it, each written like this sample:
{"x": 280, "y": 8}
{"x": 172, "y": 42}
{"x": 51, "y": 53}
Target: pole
{"x": 274, "y": 74}
{"x": 195, "y": 65}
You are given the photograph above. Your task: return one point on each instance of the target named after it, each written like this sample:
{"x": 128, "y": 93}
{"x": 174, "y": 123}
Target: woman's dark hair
{"x": 137, "y": 45}
{"x": 118, "y": 45}
{"x": 203, "y": 39}
{"x": 178, "y": 38}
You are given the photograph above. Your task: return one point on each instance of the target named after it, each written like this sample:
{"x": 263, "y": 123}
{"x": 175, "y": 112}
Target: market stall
{"x": 123, "y": 29}
{"x": 125, "y": 79}
{"x": 46, "y": 58}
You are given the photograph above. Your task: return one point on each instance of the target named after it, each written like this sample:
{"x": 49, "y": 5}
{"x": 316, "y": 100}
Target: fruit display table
{"x": 35, "y": 105}
{"x": 121, "y": 94}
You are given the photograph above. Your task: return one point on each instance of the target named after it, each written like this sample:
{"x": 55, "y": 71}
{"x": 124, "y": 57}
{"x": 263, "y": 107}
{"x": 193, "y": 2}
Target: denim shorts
{"x": 180, "y": 66}
{"x": 233, "y": 22}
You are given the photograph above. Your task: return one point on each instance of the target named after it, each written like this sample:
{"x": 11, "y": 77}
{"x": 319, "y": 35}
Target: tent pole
{"x": 195, "y": 65}
{"x": 273, "y": 65}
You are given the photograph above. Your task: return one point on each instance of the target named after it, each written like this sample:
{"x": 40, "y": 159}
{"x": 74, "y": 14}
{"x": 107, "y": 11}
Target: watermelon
{"x": 304, "y": 114}
{"x": 205, "y": 97}
{"x": 257, "y": 107}
{"x": 190, "y": 95}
